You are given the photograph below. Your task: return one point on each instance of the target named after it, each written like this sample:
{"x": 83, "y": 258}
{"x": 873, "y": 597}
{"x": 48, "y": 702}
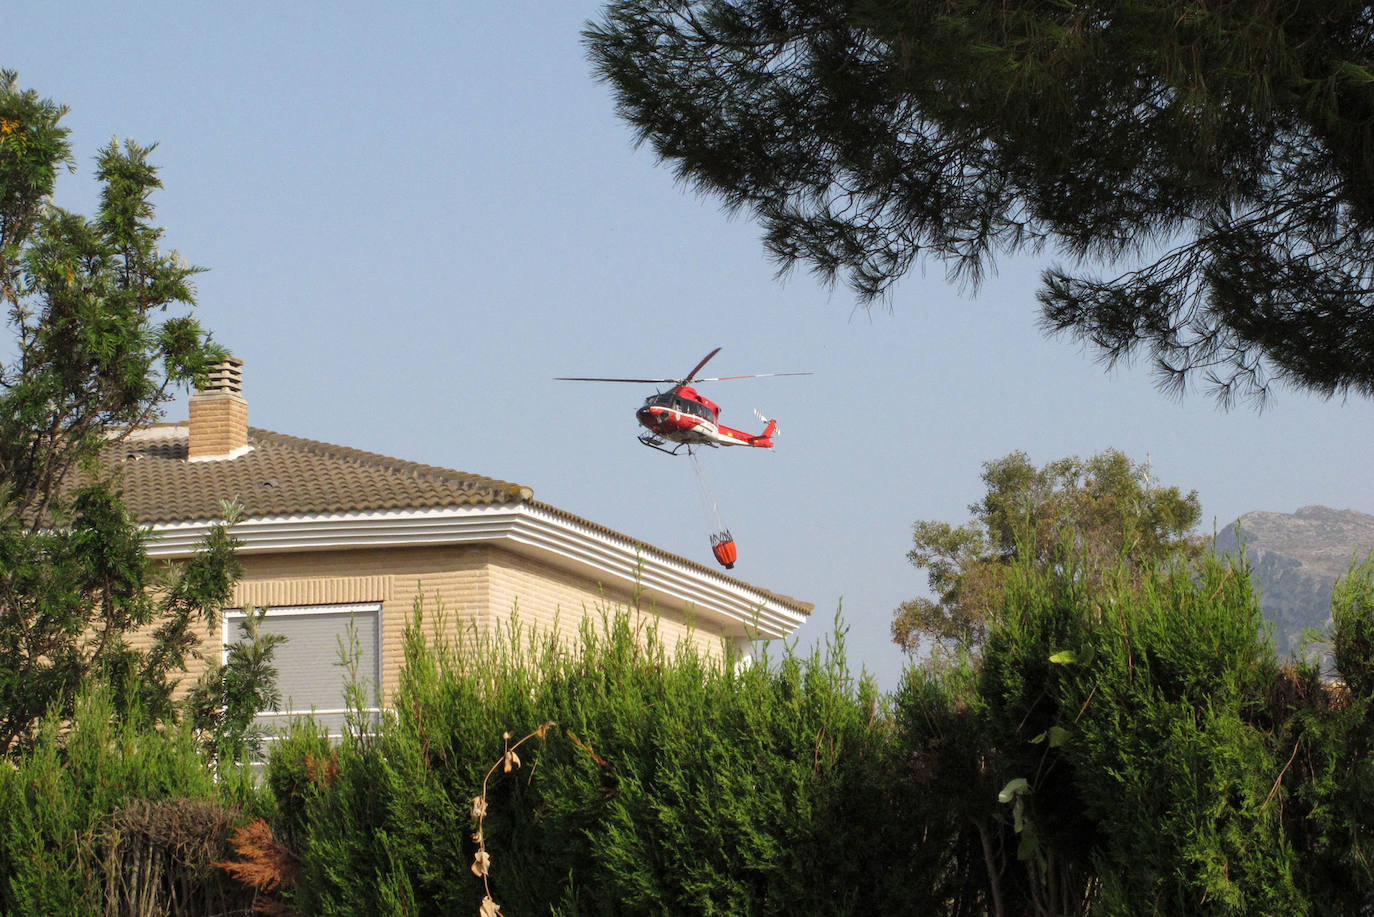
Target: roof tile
{"x": 285, "y": 476}
{"x": 290, "y": 476}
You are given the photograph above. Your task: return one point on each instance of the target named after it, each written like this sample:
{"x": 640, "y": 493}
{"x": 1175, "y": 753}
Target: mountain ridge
{"x": 1295, "y": 560}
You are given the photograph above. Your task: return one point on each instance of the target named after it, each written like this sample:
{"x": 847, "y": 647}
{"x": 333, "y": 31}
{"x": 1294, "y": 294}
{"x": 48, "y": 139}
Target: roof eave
{"x": 525, "y": 529}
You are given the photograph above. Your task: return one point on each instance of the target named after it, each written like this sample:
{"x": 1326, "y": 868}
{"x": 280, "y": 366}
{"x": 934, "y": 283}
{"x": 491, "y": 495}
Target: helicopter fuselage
{"x": 683, "y": 415}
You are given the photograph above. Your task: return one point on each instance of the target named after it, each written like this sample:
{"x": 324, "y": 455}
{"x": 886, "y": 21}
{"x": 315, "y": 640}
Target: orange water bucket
{"x": 723, "y": 546}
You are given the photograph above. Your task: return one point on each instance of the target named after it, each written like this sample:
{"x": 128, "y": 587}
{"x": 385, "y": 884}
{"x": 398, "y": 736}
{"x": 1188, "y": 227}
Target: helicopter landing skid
{"x": 658, "y": 442}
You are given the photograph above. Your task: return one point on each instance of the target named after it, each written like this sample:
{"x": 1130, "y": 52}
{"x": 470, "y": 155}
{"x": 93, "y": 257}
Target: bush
{"x": 1329, "y": 777}
{"x": 107, "y": 811}
{"x": 670, "y": 784}
{"x": 1114, "y": 751}
{"x": 1352, "y": 613}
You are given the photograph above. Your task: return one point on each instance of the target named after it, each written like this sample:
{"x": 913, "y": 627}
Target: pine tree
{"x": 1216, "y": 161}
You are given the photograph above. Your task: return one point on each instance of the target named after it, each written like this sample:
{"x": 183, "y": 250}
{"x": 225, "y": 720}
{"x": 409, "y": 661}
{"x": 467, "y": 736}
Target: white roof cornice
{"x": 526, "y": 529}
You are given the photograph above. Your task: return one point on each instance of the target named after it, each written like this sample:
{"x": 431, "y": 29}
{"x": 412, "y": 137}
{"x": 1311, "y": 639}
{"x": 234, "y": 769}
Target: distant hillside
{"x": 1296, "y": 559}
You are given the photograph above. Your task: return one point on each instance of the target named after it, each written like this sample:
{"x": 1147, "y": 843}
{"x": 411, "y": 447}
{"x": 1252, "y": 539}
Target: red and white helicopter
{"x": 685, "y": 417}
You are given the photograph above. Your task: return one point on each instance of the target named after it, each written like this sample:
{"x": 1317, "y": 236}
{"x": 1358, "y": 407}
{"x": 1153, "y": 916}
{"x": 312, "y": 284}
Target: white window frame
{"x": 229, "y": 621}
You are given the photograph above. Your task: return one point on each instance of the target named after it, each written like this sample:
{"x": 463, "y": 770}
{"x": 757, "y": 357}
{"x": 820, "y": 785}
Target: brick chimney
{"x": 219, "y": 415}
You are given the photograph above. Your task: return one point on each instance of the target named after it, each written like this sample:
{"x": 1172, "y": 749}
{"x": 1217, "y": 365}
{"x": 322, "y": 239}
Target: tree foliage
{"x": 1215, "y": 160}
{"x": 96, "y": 353}
{"x": 1115, "y": 751}
{"x": 1332, "y": 771}
{"x": 1098, "y": 517}
{"x": 109, "y": 812}
{"x": 1123, "y": 746}
{"x": 667, "y": 784}
{"x": 225, "y": 701}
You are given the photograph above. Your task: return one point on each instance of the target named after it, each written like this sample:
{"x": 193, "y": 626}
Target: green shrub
{"x": 1114, "y": 750}
{"x": 1352, "y": 613}
{"x": 670, "y": 784}
{"x": 105, "y": 808}
{"x": 1329, "y": 777}
{"x": 1129, "y": 747}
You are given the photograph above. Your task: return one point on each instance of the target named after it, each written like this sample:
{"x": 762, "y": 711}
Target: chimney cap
{"x": 225, "y": 377}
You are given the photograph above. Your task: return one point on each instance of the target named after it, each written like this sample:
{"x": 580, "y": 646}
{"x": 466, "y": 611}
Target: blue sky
{"x": 414, "y": 222}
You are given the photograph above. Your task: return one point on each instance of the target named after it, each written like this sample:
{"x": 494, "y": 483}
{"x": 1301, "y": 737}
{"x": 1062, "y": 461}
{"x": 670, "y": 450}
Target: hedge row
{"x": 1133, "y": 748}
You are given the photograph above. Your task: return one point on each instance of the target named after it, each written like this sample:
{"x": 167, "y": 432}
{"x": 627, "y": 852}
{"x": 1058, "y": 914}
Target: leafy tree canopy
{"x": 95, "y": 354}
{"x": 1097, "y": 518}
{"x": 1214, "y": 160}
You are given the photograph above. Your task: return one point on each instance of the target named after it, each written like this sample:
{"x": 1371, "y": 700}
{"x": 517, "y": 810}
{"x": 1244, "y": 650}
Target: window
{"x": 309, "y": 677}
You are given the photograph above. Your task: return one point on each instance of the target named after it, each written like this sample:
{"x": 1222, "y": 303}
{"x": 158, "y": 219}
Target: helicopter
{"x": 686, "y": 418}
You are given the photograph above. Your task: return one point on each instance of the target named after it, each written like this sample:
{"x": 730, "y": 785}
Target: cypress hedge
{"x": 653, "y": 782}
{"x": 1129, "y": 747}
{"x": 109, "y": 812}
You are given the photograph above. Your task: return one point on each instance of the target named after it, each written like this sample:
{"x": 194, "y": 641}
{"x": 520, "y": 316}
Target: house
{"x": 333, "y": 536}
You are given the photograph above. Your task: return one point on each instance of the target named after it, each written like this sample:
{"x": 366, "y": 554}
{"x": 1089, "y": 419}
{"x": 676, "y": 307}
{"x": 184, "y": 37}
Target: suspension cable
{"x": 708, "y": 499}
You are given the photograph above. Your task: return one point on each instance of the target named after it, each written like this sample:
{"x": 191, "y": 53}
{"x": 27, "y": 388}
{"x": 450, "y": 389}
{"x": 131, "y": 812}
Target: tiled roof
{"x": 285, "y": 476}
{"x": 288, "y": 476}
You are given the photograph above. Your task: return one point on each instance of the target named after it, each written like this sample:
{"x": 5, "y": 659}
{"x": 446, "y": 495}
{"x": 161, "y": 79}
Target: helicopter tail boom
{"x": 728, "y": 436}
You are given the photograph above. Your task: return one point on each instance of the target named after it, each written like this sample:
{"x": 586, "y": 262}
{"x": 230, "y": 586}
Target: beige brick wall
{"x": 219, "y": 424}
{"x": 476, "y": 585}
{"x": 548, "y": 597}
{"x": 455, "y": 576}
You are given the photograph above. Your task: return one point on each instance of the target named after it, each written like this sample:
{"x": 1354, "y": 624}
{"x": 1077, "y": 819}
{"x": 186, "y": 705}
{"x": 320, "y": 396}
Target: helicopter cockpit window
{"x": 677, "y": 403}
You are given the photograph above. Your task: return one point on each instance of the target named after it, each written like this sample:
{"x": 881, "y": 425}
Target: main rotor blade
{"x": 751, "y": 376}
{"x": 696, "y": 369}
{"x": 600, "y": 379}
{"x": 686, "y": 380}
